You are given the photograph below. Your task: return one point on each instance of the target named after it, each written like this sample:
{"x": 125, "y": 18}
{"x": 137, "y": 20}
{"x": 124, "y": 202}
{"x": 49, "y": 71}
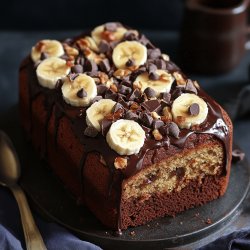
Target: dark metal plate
{"x": 48, "y": 195}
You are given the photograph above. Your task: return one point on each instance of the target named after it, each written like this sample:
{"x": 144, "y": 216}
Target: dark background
{"x": 82, "y": 14}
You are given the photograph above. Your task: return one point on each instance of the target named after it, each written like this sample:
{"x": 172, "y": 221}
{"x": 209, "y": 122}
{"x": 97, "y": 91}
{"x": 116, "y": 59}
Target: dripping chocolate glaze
{"x": 214, "y": 125}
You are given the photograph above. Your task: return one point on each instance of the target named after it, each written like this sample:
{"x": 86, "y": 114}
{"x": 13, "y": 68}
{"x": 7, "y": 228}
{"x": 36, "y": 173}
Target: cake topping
{"x": 127, "y": 79}
{"x": 50, "y": 48}
{"x": 91, "y": 132}
{"x": 194, "y": 109}
{"x": 50, "y": 70}
{"x": 80, "y": 91}
{"x": 129, "y": 50}
{"x": 120, "y": 162}
{"x": 181, "y": 110}
{"x": 101, "y": 33}
{"x": 126, "y": 137}
{"x": 78, "y": 68}
{"x": 162, "y": 85}
{"x": 97, "y": 112}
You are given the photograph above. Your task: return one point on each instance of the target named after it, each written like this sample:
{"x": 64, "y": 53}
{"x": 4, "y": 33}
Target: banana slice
{"x": 182, "y": 110}
{"x": 80, "y": 91}
{"x": 162, "y": 85}
{"x": 96, "y": 112}
{"x": 52, "y": 48}
{"x": 50, "y": 70}
{"x": 98, "y": 34}
{"x": 129, "y": 50}
{"x": 126, "y": 137}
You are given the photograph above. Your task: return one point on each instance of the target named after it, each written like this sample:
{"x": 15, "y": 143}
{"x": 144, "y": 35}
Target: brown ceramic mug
{"x": 214, "y": 34}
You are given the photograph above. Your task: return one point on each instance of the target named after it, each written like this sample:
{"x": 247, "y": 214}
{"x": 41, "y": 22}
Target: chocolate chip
{"x": 190, "y": 88}
{"x": 130, "y": 115}
{"x": 117, "y": 107}
{"x": 124, "y": 89}
{"x": 237, "y": 155}
{"x": 65, "y": 57}
{"x": 72, "y": 76}
{"x": 59, "y": 84}
{"x": 143, "y": 40}
{"x": 154, "y": 53}
{"x": 130, "y": 35}
{"x": 151, "y": 105}
{"x": 166, "y": 97}
{"x": 160, "y": 64}
{"x": 153, "y": 76}
{"x": 112, "y": 27}
{"x": 105, "y": 65}
{"x": 91, "y": 132}
{"x": 68, "y": 41}
{"x": 194, "y": 109}
{"x": 134, "y": 95}
{"x": 150, "y": 92}
{"x": 90, "y": 66}
{"x": 80, "y": 60}
{"x": 81, "y": 93}
{"x": 77, "y": 69}
{"x": 164, "y": 130}
{"x": 177, "y": 92}
{"x": 96, "y": 99}
{"x": 157, "y": 124}
{"x": 44, "y": 56}
{"x": 146, "y": 129}
{"x": 105, "y": 125}
{"x": 104, "y": 46}
{"x": 110, "y": 95}
{"x": 130, "y": 63}
{"x": 101, "y": 89}
{"x": 151, "y": 68}
{"x": 180, "y": 172}
{"x": 171, "y": 67}
{"x": 173, "y": 129}
{"x": 146, "y": 119}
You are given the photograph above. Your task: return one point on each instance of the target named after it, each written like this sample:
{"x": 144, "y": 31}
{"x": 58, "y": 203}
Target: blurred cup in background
{"x": 214, "y": 35}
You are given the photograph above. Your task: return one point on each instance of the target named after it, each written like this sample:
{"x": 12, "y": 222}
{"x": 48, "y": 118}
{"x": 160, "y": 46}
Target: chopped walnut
{"x": 179, "y": 78}
{"x": 109, "y": 82}
{"x": 137, "y": 85}
{"x": 114, "y": 88}
{"x": 167, "y": 113}
{"x": 120, "y": 163}
{"x": 180, "y": 119}
{"x": 40, "y": 46}
{"x": 134, "y": 106}
{"x": 157, "y": 135}
{"x": 87, "y": 42}
{"x": 108, "y": 36}
{"x": 103, "y": 77}
{"x": 120, "y": 73}
{"x": 166, "y": 77}
{"x": 70, "y": 51}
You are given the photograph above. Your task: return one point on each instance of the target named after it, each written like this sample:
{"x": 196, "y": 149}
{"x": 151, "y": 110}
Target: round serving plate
{"x": 49, "y": 197}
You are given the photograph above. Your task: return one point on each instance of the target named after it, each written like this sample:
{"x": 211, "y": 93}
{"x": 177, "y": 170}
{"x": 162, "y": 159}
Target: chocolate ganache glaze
{"x": 214, "y": 123}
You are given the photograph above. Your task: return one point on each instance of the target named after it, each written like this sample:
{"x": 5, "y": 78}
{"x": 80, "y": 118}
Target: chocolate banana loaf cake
{"x": 123, "y": 127}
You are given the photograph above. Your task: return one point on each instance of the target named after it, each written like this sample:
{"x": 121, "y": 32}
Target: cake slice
{"x": 124, "y": 129}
